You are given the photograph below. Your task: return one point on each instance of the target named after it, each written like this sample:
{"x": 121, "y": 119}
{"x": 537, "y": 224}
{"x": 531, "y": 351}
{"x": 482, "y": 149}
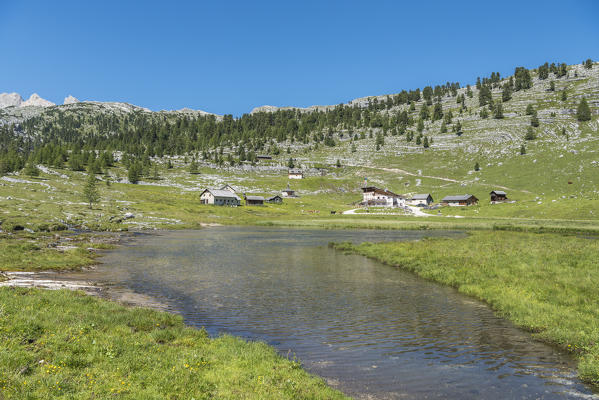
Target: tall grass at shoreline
{"x": 544, "y": 283}
{"x": 67, "y": 345}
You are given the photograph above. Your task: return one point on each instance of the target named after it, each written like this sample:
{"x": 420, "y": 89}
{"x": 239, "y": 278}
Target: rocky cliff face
{"x": 36, "y": 101}
{"x": 70, "y": 100}
{"x": 10, "y": 100}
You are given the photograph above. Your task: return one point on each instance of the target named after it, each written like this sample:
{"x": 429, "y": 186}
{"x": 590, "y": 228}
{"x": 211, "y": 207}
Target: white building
{"x": 295, "y": 173}
{"x": 219, "y": 197}
{"x": 373, "y": 196}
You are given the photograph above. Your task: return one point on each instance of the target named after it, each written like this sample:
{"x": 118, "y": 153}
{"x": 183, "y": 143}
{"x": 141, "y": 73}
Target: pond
{"x": 370, "y": 330}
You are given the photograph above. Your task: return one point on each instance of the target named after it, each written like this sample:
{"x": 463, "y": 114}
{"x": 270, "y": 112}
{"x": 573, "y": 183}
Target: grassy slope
{"x": 545, "y": 283}
{"x": 61, "y": 344}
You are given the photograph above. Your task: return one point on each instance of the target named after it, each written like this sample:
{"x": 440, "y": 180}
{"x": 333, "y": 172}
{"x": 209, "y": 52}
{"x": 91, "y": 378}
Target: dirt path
{"x": 404, "y": 172}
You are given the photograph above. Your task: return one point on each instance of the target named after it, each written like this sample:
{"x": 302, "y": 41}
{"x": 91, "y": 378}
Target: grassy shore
{"x": 62, "y": 344}
{"x": 544, "y": 283}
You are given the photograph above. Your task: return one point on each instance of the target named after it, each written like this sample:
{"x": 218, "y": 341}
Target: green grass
{"x": 544, "y": 283}
{"x": 38, "y": 252}
{"x": 66, "y": 345}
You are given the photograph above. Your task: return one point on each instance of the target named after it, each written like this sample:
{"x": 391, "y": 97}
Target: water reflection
{"x": 369, "y": 329}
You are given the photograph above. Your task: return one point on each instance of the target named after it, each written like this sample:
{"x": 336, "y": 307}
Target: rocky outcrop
{"x": 70, "y": 100}
{"x": 36, "y": 101}
{"x": 10, "y": 100}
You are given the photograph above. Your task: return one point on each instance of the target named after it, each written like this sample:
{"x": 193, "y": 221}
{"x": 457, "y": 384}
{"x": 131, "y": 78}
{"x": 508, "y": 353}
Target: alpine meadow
{"x": 275, "y": 245}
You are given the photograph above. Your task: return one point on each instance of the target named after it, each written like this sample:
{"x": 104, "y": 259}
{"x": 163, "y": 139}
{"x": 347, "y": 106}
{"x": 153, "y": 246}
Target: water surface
{"x": 368, "y": 329}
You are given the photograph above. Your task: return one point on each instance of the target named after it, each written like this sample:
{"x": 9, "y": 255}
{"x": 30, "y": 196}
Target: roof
{"x": 421, "y": 196}
{"x": 254, "y": 198}
{"x": 222, "y": 193}
{"x": 288, "y": 190}
{"x": 462, "y": 197}
{"x": 274, "y": 197}
{"x": 499, "y": 192}
{"x": 227, "y": 186}
{"x": 380, "y": 191}
{"x": 295, "y": 171}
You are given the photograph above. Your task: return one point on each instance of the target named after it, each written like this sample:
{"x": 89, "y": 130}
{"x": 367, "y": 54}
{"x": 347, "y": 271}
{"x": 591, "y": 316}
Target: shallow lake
{"x": 370, "y": 330}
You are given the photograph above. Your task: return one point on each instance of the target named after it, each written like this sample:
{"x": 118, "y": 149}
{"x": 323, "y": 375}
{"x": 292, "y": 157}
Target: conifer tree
{"x": 338, "y": 163}
{"x": 530, "y": 134}
{"x": 498, "y": 111}
{"x": 90, "y": 191}
{"x": 522, "y": 150}
{"x": 534, "y": 120}
{"x": 483, "y": 113}
{"x": 290, "y": 163}
{"x": 133, "y": 173}
{"x": 443, "y": 127}
{"x": 437, "y": 112}
{"x": 31, "y": 169}
{"x": 588, "y": 64}
{"x": 506, "y": 95}
{"x": 583, "y": 112}
{"x": 564, "y": 96}
{"x": 458, "y": 128}
{"x": 477, "y": 166}
{"x": 425, "y": 144}
{"x": 552, "y": 86}
{"x": 193, "y": 167}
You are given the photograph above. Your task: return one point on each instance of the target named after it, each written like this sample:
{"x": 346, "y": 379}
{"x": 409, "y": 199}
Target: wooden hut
{"x": 254, "y": 200}
{"x": 461, "y": 200}
{"x": 498, "y": 196}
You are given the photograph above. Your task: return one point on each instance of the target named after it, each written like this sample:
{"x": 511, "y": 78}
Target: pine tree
{"x": 477, "y": 166}
{"x": 522, "y": 150}
{"x": 498, "y": 111}
{"x": 425, "y": 144}
{"x": 90, "y": 191}
{"x": 583, "y": 112}
{"x": 522, "y": 79}
{"x": 31, "y": 169}
{"x": 133, "y": 173}
{"x": 290, "y": 163}
{"x": 530, "y": 134}
{"x": 437, "y": 112}
{"x": 483, "y": 113}
{"x": 552, "y": 86}
{"x": 564, "y": 96}
{"x": 534, "y": 120}
{"x": 588, "y": 64}
{"x": 338, "y": 163}
{"x": 193, "y": 167}
{"x": 420, "y": 126}
{"x": 353, "y": 147}
{"x": 506, "y": 95}
{"x": 458, "y": 128}
{"x": 530, "y": 110}
{"x": 443, "y": 127}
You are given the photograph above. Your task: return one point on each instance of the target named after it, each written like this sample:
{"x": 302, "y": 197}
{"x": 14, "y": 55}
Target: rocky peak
{"x": 70, "y": 100}
{"x": 10, "y": 100}
{"x": 36, "y": 100}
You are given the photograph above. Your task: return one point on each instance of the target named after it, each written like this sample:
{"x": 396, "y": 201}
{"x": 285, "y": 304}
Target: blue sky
{"x": 228, "y": 57}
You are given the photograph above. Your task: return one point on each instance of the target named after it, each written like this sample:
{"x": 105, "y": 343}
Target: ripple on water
{"x": 371, "y": 330}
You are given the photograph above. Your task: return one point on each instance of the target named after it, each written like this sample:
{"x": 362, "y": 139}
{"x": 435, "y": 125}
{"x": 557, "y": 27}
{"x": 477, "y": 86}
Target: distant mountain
{"x": 15, "y": 100}
{"x": 70, "y": 100}
{"x": 36, "y": 101}
{"x": 10, "y": 100}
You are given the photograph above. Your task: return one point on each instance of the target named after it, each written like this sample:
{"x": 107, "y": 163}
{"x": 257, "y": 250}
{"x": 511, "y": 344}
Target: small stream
{"x": 370, "y": 330}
